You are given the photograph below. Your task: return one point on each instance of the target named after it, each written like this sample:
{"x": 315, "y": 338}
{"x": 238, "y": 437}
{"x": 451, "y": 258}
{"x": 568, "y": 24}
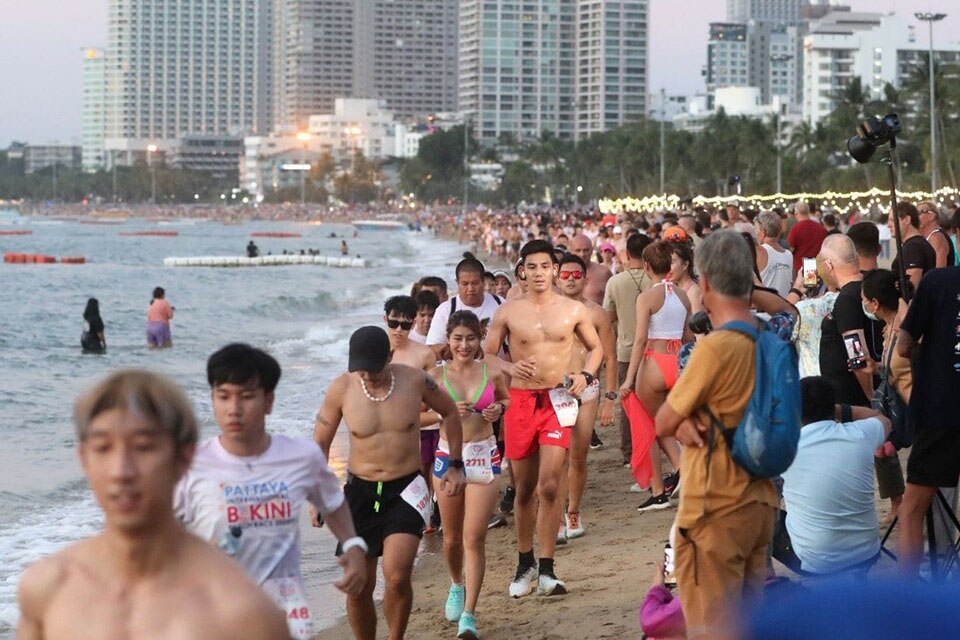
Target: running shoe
{"x": 575, "y": 528}
{"x": 654, "y": 503}
{"x": 636, "y": 488}
{"x": 523, "y": 582}
{"x": 496, "y": 520}
{"x": 506, "y": 502}
{"x": 595, "y": 441}
{"x": 562, "y": 535}
{"x": 467, "y": 630}
{"x": 550, "y": 586}
{"x": 671, "y": 484}
{"x": 454, "y": 607}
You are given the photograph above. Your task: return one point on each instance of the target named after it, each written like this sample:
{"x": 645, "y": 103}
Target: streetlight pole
{"x": 779, "y": 57}
{"x": 663, "y": 116}
{"x": 303, "y": 137}
{"x": 153, "y": 173}
{"x": 930, "y": 18}
{"x": 466, "y": 162}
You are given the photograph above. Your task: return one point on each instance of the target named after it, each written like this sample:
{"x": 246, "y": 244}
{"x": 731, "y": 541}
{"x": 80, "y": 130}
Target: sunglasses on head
{"x": 406, "y": 325}
{"x": 566, "y": 275}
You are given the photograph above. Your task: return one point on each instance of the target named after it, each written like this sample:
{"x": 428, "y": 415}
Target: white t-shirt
{"x": 250, "y": 508}
{"x": 418, "y": 337}
{"x": 438, "y": 328}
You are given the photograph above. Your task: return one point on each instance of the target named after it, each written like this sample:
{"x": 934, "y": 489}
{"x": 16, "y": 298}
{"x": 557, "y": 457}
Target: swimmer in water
{"x": 159, "y": 315}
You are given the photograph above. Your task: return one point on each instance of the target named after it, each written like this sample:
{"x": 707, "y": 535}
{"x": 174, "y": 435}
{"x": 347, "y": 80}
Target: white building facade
{"x": 93, "y": 121}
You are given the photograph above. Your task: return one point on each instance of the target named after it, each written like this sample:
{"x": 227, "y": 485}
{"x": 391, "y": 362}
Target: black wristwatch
{"x": 588, "y": 377}
{"x": 455, "y": 464}
{"x": 611, "y": 395}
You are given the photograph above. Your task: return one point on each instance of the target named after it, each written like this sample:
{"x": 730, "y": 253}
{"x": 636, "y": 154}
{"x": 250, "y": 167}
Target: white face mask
{"x": 871, "y": 316}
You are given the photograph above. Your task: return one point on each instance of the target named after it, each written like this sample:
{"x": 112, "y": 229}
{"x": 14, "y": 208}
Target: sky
{"x": 41, "y": 43}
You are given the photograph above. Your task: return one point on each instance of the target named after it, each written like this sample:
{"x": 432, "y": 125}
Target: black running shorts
{"x": 378, "y": 511}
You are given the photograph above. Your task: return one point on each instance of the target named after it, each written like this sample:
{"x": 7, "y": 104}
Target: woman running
{"x": 662, "y": 314}
{"x": 482, "y": 396}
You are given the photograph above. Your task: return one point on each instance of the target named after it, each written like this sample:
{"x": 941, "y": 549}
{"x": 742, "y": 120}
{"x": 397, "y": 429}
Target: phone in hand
{"x": 810, "y": 280}
{"x": 856, "y": 357}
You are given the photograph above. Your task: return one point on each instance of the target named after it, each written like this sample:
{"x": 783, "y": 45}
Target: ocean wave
{"x": 295, "y": 306}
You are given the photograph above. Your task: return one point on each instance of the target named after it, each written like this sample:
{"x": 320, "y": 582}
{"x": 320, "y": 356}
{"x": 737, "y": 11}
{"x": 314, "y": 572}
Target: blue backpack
{"x": 765, "y": 441}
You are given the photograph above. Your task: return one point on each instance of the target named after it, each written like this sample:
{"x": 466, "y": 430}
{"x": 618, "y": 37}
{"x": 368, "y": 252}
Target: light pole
{"x": 663, "y": 116}
{"x": 466, "y": 161}
{"x": 930, "y": 18}
{"x": 779, "y": 57}
{"x": 151, "y": 148}
{"x": 303, "y": 137}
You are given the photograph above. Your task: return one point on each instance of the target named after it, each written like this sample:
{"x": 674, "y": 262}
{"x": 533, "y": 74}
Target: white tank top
{"x": 667, "y": 323}
{"x": 778, "y": 274}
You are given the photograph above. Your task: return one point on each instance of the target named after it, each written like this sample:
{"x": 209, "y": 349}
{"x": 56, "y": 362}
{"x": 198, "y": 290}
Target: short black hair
{"x": 569, "y": 258}
{"x": 427, "y": 299}
{"x": 434, "y": 281}
{"x": 488, "y": 275}
{"x": 636, "y": 244}
{"x": 538, "y": 246}
{"x": 469, "y": 264}
{"x": 403, "y": 306}
{"x": 866, "y": 239}
{"x": 817, "y": 399}
{"x": 239, "y": 363}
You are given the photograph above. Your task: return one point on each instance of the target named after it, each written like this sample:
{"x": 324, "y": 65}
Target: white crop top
{"x": 668, "y": 322}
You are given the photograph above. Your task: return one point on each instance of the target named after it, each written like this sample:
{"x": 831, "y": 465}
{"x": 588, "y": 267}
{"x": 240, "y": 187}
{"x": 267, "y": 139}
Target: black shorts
{"x": 935, "y": 457}
{"x": 381, "y": 513}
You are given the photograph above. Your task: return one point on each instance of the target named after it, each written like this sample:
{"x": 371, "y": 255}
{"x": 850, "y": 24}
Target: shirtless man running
{"x": 380, "y": 404}
{"x": 541, "y": 326}
{"x": 573, "y": 283}
{"x": 597, "y": 274}
{"x": 143, "y": 576}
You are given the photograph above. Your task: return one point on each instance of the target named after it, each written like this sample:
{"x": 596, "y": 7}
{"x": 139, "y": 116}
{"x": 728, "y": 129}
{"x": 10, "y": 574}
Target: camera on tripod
{"x": 872, "y": 133}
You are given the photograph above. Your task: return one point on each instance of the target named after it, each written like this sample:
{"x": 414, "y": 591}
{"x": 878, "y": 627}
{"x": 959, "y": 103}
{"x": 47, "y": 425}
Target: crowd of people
{"x": 477, "y": 399}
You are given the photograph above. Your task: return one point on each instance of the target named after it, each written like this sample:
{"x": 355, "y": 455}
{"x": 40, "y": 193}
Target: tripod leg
{"x": 932, "y": 544}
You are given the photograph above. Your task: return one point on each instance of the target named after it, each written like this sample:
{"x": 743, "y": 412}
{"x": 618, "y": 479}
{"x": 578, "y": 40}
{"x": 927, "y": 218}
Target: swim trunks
{"x": 481, "y": 460}
{"x": 158, "y": 334}
{"x": 428, "y": 444}
{"x": 529, "y": 422}
{"x": 379, "y": 511}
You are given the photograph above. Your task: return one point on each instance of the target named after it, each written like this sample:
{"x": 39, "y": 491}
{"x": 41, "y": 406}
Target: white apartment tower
{"x": 611, "y": 64}
{"x": 94, "y": 109}
{"x": 516, "y": 68}
{"x": 784, "y": 11}
{"x": 198, "y": 67}
{"x": 402, "y": 52}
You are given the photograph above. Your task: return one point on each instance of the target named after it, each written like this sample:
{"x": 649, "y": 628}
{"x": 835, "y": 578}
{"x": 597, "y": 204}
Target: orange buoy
{"x": 159, "y": 234}
{"x": 275, "y": 234}
{"x": 16, "y": 232}
{"x": 73, "y": 260}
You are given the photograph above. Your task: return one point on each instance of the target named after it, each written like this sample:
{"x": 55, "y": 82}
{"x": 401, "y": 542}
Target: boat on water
{"x": 380, "y": 225}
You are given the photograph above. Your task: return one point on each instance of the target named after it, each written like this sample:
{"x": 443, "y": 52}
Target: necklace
{"x": 389, "y": 393}
{"x": 634, "y": 278}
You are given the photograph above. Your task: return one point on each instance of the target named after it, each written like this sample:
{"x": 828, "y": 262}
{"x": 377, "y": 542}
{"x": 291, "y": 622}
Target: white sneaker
{"x": 575, "y": 528}
{"x": 636, "y": 488}
{"x": 550, "y": 586}
{"x": 523, "y": 582}
{"x": 562, "y": 535}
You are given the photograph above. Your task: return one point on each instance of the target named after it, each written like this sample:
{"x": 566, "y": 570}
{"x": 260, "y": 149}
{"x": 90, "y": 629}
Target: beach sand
{"x": 607, "y": 571}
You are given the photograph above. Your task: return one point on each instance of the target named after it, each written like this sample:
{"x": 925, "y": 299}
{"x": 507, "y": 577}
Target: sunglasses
{"x": 403, "y": 324}
{"x": 566, "y": 275}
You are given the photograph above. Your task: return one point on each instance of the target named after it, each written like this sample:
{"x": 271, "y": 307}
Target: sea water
{"x": 303, "y": 315}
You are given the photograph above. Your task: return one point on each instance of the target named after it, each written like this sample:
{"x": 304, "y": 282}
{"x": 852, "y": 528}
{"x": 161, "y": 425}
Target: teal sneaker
{"x": 468, "y": 627}
{"x": 454, "y": 608}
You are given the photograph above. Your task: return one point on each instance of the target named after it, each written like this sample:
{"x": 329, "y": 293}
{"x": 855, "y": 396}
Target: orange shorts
{"x": 531, "y": 422}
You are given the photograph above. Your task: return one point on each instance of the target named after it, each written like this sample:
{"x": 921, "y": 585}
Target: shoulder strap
{"x": 450, "y": 390}
{"x": 497, "y": 298}
{"x": 740, "y": 326}
{"x": 453, "y": 305}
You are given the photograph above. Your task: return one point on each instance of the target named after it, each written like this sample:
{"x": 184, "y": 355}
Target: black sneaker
{"x": 496, "y": 520}
{"x": 506, "y": 502}
{"x": 595, "y": 441}
{"x": 654, "y": 503}
{"x": 671, "y": 483}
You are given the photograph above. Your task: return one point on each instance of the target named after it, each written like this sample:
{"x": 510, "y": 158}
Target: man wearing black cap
{"x": 380, "y": 403}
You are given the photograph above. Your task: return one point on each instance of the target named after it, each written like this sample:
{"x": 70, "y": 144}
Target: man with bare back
{"x": 573, "y": 283}
{"x": 541, "y": 326}
{"x": 143, "y": 576}
{"x": 388, "y": 498}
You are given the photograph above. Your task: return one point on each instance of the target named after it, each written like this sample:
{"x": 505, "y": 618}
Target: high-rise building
{"x": 611, "y": 64}
{"x": 728, "y": 57}
{"x": 516, "y": 68}
{"x": 94, "y": 109}
{"x": 189, "y": 67}
{"x": 402, "y": 52}
{"x": 785, "y": 11}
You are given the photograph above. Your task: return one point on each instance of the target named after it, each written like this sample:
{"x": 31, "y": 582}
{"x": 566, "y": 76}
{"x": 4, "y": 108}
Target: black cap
{"x": 369, "y": 350}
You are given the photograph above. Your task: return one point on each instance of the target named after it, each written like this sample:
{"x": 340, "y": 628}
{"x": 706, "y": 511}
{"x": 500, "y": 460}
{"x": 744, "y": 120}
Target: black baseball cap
{"x": 369, "y": 350}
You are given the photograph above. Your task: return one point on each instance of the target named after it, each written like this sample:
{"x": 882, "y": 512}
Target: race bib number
{"x": 565, "y": 406}
{"x": 478, "y": 462}
{"x": 289, "y": 595}
{"x": 417, "y": 496}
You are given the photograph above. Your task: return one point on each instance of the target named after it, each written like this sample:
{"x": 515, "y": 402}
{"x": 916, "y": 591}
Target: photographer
{"x": 932, "y": 323}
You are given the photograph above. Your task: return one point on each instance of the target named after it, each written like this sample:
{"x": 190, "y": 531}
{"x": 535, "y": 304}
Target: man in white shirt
{"x": 246, "y": 487}
{"x": 470, "y": 297}
{"x": 831, "y": 512}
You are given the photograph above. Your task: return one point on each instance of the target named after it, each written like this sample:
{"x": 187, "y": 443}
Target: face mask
{"x": 871, "y": 316}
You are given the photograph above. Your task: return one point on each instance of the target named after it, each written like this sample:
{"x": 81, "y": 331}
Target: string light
{"x": 843, "y": 200}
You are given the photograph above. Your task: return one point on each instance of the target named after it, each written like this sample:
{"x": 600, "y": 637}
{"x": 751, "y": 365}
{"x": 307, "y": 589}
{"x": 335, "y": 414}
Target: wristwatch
{"x": 588, "y": 377}
{"x": 611, "y": 395}
{"x": 355, "y": 541}
{"x": 455, "y": 463}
